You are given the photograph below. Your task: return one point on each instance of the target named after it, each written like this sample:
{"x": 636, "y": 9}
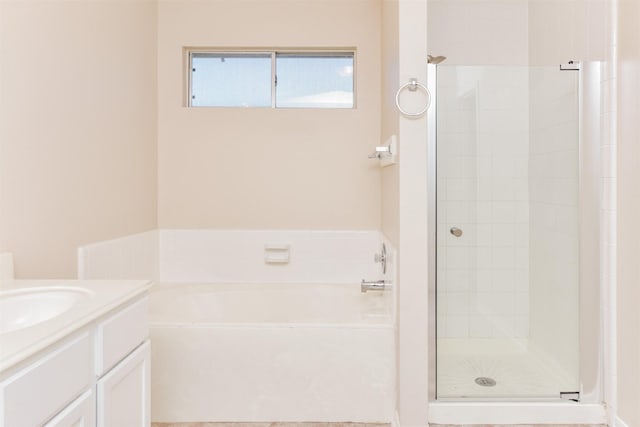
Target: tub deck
{"x": 241, "y": 303}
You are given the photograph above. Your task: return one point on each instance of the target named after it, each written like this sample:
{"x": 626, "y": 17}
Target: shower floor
{"x": 517, "y": 371}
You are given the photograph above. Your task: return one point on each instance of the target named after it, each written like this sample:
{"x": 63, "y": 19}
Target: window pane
{"x": 230, "y": 80}
{"x": 314, "y": 81}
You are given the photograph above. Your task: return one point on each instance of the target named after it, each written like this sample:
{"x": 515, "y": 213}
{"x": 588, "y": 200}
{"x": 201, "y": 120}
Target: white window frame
{"x": 190, "y": 52}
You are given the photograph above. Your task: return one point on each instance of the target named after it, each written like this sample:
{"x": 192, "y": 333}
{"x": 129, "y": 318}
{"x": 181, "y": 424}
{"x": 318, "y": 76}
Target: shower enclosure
{"x": 508, "y": 227}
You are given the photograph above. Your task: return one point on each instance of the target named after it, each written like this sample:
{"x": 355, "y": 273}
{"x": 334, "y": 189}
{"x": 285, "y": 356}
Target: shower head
{"x": 435, "y": 59}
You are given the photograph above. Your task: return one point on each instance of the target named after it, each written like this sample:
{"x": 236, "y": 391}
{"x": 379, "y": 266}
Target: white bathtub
{"x": 266, "y": 352}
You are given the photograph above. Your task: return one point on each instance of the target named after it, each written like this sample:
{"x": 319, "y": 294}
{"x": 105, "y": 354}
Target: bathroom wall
{"x": 628, "y": 212}
{"x": 479, "y": 32}
{"x": 390, "y": 117}
{"x": 265, "y": 168}
{"x": 517, "y": 32}
{"x": 560, "y": 31}
{"x": 390, "y": 197}
{"x": 77, "y": 128}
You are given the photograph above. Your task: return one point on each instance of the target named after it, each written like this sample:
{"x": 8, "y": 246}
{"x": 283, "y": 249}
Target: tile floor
{"x": 274, "y": 424}
{"x": 519, "y": 425}
{"x": 311, "y": 424}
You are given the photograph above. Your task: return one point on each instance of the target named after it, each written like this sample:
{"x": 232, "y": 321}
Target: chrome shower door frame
{"x": 591, "y": 287}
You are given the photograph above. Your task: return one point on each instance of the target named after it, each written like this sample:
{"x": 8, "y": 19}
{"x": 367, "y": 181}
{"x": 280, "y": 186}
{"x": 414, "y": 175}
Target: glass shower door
{"x": 507, "y": 232}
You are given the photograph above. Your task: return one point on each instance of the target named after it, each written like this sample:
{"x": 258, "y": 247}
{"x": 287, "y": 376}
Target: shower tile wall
{"x": 483, "y": 166}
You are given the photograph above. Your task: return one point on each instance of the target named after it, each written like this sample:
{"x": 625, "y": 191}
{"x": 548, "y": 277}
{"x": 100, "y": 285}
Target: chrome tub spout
{"x": 378, "y": 285}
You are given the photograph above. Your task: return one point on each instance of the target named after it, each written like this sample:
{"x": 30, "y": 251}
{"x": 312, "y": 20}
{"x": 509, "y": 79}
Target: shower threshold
{"x": 550, "y": 411}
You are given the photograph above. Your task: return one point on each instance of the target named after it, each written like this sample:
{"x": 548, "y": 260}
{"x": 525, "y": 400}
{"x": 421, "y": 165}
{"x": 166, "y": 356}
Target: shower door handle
{"x": 455, "y": 231}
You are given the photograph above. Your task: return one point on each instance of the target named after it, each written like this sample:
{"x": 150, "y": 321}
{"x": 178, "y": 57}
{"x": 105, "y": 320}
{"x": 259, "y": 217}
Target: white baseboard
{"x": 395, "y": 422}
{"x": 619, "y": 423}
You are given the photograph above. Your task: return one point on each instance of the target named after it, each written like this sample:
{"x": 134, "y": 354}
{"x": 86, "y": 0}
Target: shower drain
{"x": 485, "y": 381}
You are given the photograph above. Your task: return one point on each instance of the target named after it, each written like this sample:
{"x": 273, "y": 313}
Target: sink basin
{"x": 26, "y": 307}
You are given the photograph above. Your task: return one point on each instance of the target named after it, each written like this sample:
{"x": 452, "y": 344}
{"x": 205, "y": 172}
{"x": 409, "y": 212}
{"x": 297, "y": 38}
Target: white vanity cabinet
{"x": 98, "y": 375}
{"x": 123, "y": 383}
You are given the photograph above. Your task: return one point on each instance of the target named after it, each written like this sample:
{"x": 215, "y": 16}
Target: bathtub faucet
{"x": 378, "y": 285}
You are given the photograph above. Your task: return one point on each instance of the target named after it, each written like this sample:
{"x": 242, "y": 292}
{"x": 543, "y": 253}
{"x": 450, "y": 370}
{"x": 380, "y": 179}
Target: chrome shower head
{"x": 435, "y": 59}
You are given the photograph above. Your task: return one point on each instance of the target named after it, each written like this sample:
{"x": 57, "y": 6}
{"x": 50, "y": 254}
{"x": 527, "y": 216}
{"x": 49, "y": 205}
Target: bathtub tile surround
{"x": 237, "y": 256}
{"x": 231, "y": 256}
{"x": 133, "y": 257}
{"x": 6, "y": 266}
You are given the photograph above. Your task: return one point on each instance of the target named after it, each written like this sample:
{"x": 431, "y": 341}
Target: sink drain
{"x": 485, "y": 381}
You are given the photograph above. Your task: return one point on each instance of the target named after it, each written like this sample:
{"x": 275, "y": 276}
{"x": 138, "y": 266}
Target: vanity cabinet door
{"x": 38, "y": 392}
{"x": 123, "y": 393}
{"x": 80, "y": 413}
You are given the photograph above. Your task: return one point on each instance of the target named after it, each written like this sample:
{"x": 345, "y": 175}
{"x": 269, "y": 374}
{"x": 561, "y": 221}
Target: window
{"x": 230, "y": 80}
{"x": 271, "y": 79}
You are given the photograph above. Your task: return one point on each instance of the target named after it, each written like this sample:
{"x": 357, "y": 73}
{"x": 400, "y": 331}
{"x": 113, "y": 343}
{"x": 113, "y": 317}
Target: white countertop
{"x": 102, "y": 297}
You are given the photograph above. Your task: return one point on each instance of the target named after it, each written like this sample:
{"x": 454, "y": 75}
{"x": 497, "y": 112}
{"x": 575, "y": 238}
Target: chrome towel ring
{"x": 413, "y": 86}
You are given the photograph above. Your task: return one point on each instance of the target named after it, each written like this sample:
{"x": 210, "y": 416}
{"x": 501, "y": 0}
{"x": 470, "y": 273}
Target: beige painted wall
{"x": 87, "y": 170}
{"x": 77, "y": 128}
{"x": 628, "y": 209}
{"x": 390, "y": 118}
{"x": 266, "y": 168}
